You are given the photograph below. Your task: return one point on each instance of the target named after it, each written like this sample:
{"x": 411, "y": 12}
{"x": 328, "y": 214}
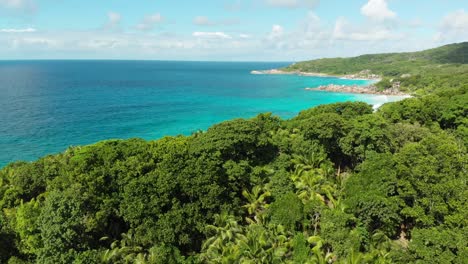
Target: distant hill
{"x": 452, "y": 53}
{"x": 442, "y": 66}
{"x": 388, "y": 64}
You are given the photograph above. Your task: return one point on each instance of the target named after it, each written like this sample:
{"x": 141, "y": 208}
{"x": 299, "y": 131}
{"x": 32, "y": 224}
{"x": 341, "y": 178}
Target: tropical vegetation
{"x": 338, "y": 183}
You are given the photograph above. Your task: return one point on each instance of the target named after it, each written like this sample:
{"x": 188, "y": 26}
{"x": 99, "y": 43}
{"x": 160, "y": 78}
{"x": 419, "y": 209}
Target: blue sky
{"x": 235, "y": 30}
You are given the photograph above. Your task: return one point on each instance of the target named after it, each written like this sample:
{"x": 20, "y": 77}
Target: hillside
{"x": 338, "y": 183}
{"x": 445, "y": 66}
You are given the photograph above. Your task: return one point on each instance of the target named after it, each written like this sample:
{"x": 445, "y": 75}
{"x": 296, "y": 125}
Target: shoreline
{"x": 374, "y": 77}
{"x": 354, "y": 89}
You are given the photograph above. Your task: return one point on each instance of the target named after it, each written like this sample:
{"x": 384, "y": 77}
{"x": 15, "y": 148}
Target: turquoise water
{"x": 47, "y": 106}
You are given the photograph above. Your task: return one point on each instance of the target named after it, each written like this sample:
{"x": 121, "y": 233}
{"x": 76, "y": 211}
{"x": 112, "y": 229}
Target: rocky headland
{"x": 370, "y": 89}
{"x": 362, "y": 75}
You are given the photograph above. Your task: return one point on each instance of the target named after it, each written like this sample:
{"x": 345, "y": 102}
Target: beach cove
{"x": 364, "y": 75}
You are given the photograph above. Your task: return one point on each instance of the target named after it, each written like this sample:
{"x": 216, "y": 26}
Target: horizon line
{"x": 148, "y": 60}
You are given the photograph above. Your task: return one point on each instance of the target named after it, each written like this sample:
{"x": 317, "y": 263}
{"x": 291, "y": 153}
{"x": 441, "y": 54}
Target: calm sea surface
{"x": 46, "y": 106}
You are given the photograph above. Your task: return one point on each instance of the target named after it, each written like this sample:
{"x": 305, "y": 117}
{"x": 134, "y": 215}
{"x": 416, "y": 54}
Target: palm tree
{"x": 257, "y": 200}
{"x": 381, "y": 246}
{"x": 253, "y": 246}
{"x": 308, "y": 182}
{"x": 221, "y": 245}
{"x": 319, "y": 256}
{"x": 122, "y": 251}
{"x": 311, "y": 178}
{"x": 354, "y": 257}
{"x": 310, "y": 161}
{"x": 265, "y": 244}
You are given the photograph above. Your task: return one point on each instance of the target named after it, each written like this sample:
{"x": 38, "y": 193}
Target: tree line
{"x": 338, "y": 183}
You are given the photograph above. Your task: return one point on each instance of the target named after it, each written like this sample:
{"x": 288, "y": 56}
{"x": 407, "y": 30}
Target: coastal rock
{"x": 363, "y": 75}
{"x": 356, "y": 89}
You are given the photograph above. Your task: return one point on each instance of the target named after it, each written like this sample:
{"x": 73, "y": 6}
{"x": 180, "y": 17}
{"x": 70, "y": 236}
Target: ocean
{"x": 47, "y": 106}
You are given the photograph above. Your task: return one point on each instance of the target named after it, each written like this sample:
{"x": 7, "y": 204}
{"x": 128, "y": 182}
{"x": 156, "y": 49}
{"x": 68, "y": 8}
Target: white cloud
{"x": 310, "y": 34}
{"x": 457, "y": 20}
{"x": 104, "y": 43}
{"x": 292, "y": 3}
{"x": 453, "y": 27}
{"x": 344, "y": 30}
{"x": 219, "y": 35}
{"x": 114, "y": 18}
{"x": 150, "y": 21}
{"x": 374, "y": 35}
{"x": 311, "y": 24}
{"x": 309, "y": 38}
{"x": 277, "y": 31}
{"x": 340, "y": 27}
{"x": 33, "y": 43}
{"x": 17, "y": 30}
{"x": 277, "y": 39}
{"x": 202, "y": 21}
{"x": 377, "y": 10}
{"x": 124, "y": 45}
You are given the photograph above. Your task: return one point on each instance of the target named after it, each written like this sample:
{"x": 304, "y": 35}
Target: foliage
{"x": 338, "y": 183}
{"x": 420, "y": 72}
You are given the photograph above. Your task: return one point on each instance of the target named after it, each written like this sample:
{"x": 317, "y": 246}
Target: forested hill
{"x": 423, "y": 70}
{"x": 338, "y": 183}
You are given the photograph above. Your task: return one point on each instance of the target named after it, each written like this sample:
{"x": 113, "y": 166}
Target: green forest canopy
{"x": 338, "y": 183}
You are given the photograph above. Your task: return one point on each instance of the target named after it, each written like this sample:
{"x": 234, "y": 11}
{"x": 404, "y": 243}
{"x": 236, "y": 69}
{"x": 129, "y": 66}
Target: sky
{"x": 223, "y": 30}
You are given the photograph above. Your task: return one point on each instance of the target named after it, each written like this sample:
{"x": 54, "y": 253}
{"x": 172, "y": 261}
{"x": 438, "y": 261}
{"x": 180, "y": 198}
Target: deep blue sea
{"x": 47, "y": 106}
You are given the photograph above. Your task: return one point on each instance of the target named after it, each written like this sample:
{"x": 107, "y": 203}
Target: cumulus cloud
{"x": 211, "y": 35}
{"x": 457, "y": 20}
{"x": 292, "y": 3}
{"x": 308, "y": 36}
{"x": 311, "y": 37}
{"x": 344, "y": 30}
{"x": 124, "y": 45}
{"x": 17, "y": 30}
{"x": 453, "y": 27}
{"x": 113, "y": 20}
{"x": 377, "y": 10}
{"x": 311, "y": 24}
{"x": 150, "y": 21}
{"x": 277, "y": 31}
